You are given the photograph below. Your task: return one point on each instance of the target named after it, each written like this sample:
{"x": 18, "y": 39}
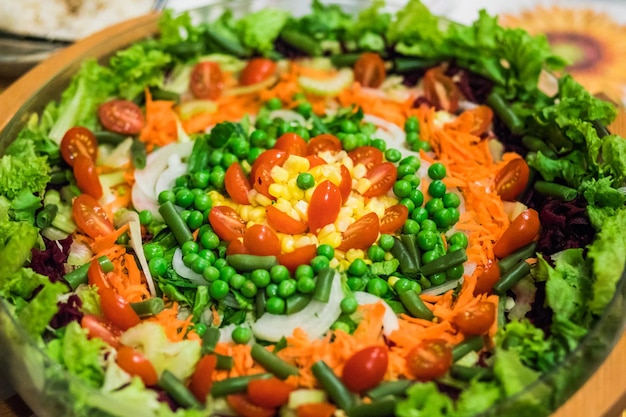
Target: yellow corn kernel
{"x": 333, "y": 239}
{"x": 305, "y": 240}
{"x": 334, "y": 263}
{"x": 348, "y": 162}
{"x": 377, "y": 206}
{"x": 296, "y": 192}
{"x": 355, "y": 202}
{"x": 359, "y": 171}
{"x": 329, "y": 228}
{"x": 302, "y": 209}
{"x": 276, "y": 190}
{"x": 353, "y": 254}
{"x": 283, "y": 205}
{"x": 244, "y": 212}
{"x": 296, "y": 164}
{"x": 388, "y": 256}
{"x": 262, "y": 200}
{"x": 392, "y": 280}
{"x": 257, "y": 214}
{"x": 309, "y": 193}
{"x": 287, "y": 243}
{"x": 279, "y": 174}
{"x": 343, "y": 264}
{"x": 362, "y": 185}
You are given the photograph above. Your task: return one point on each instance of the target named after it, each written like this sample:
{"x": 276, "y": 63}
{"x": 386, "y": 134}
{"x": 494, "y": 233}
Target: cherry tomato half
{"x": 487, "y": 279}
{"x": 136, "y": 364}
{"x": 78, "y": 141}
{"x": 284, "y": 223}
{"x": 394, "y": 218}
{"x": 87, "y": 177}
{"x": 476, "y": 319}
{"x": 366, "y": 155}
{"x": 440, "y": 90}
{"x": 206, "y": 80}
{"x": 512, "y": 179}
{"x": 369, "y": 70}
{"x": 430, "y": 359}
{"x": 366, "y": 368}
{"x": 315, "y": 160}
{"x": 483, "y": 116}
{"x": 117, "y": 310}
{"x": 361, "y": 234}
{"x": 96, "y": 276}
{"x": 102, "y": 329}
{"x": 315, "y": 410}
{"x": 244, "y": 408}
{"x": 202, "y": 377}
{"x": 382, "y": 178}
{"x": 345, "y": 186}
{"x": 292, "y": 143}
{"x": 121, "y": 116}
{"x": 323, "y": 142}
{"x": 257, "y": 70}
{"x": 300, "y": 256}
{"x": 262, "y": 179}
{"x": 270, "y": 157}
{"x": 90, "y": 216}
{"x": 324, "y": 206}
{"x": 237, "y": 185}
{"x": 236, "y": 247}
{"x": 226, "y": 223}
{"x": 522, "y": 230}
{"x": 269, "y": 393}
{"x": 261, "y": 240}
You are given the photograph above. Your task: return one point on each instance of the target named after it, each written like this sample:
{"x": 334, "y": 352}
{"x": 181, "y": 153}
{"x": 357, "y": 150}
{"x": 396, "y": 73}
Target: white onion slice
{"x": 390, "y": 319}
{"x": 315, "y": 319}
{"x": 184, "y": 271}
{"x": 440, "y": 289}
{"x": 132, "y": 218}
{"x": 288, "y": 116}
{"x": 395, "y": 136}
{"x": 142, "y": 201}
{"x": 167, "y": 180}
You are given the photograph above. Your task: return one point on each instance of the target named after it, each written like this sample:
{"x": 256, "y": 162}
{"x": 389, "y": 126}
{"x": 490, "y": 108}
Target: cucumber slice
{"x": 330, "y": 86}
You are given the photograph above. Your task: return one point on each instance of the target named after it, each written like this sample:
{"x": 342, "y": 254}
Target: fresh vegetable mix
{"x": 334, "y": 214}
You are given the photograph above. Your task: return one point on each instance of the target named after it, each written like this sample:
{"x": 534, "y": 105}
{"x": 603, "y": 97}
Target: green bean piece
{"x": 247, "y": 263}
{"x": 235, "y": 385}
{"x": 551, "y": 189}
{"x": 403, "y": 65}
{"x": 60, "y": 177}
{"x": 79, "y": 275}
{"x": 472, "y": 344}
{"x": 398, "y": 387}
{"x": 149, "y": 307}
{"x": 467, "y": 373}
{"x": 415, "y": 306}
{"x": 175, "y": 222}
{"x": 230, "y": 44}
{"x": 280, "y": 345}
{"x": 384, "y": 407}
{"x": 272, "y": 363}
{"x": 324, "y": 284}
{"x": 259, "y": 304}
{"x": 408, "y": 264}
{"x": 504, "y": 111}
{"x": 138, "y": 153}
{"x": 333, "y": 386}
{"x": 301, "y": 42}
{"x": 296, "y": 302}
{"x": 160, "y": 94}
{"x": 443, "y": 263}
{"x": 410, "y": 243}
{"x": 511, "y": 277}
{"x": 178, "y": 391}
{"x": 345, "y": 60}
{"x": 110, "y": 138}
{"x": 224, "y": 361}
{"x": 523, "y": 253}
{"x": 210, "y": 339}
{"x": 46, "y": 216}
{"x": 537, "y": 145}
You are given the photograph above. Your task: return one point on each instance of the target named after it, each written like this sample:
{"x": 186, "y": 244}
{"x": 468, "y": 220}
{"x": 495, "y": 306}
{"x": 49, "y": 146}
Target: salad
{"x": 318, "y": 215}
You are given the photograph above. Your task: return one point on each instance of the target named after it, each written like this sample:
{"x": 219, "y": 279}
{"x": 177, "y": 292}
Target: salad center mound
{"x": 332, "y": 215}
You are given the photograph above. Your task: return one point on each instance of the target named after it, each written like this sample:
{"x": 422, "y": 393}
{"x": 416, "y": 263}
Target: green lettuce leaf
{"x": 529, "y": 342}
{"x": 138, "y": 67}
{"x": 425, "y": 400}
{"x": 22, "y": 170}
{"x": 477, "y": 397}
{"x": 512, "y": 374}
{"x": 259, "y": 30}
{"x": 36, "y": 315}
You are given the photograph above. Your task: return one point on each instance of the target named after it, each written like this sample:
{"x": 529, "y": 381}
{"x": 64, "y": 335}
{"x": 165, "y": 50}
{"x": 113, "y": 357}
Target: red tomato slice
{"x": 476, "y": 319}
{"x": 121, "y": 116}
{"x": 269, "y": 393}
{"x": 117, "y": 310}
{"x": 440, "y": 90}
{"x": 291, "y": 143}
{"x": 244, "y": 408}
{"x": 202, "y": 378}
{"x": 323, "y": 142}
{"x": 324, "y": 206}
{"x": 206, "y": 80}
{"x": 237, "y": 185}
{"x": 522, "y": 230}
{"x": 226, "y": 223}
{"x": 284, "y": 223}
{"x": 262, "y": 180}
{"x": 270, "y": 157}
{"x": 315, "y": 410}
{"x": 315, "y": 160}
{"x": 361, "y": 234}
{"x": 78, "y": 141}
{"x": 366, "y": 368}
{"x": 369, "y": 70}
{"x": 136, "y": 364}
{"x": 512, "y": 179}
{"x": 236, "y": 247}
{"x": 87, "y": 177}
{"x": 487, "y": 279}
{"x": 257, "y": 70}
{"x": 102, "y": 329}
{"x": 345, "y": 186}
{"x": 90, "y": 216}
{"x": 96, "y": 275}
{"x": 261, "y": 240}
{"x": 382, "y": 178}
{"x": 430, "y": 359}
{"x": 366, "y": 155}
{"x": 483, "y": 116}
{"x": 300, "y": 256}
{"x": 394, "y": 218}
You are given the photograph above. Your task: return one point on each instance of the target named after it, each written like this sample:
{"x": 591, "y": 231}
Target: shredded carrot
{"x": 103, "y": 243}
{"x": 160, "y": 128}
{"x": 175, "y": 328}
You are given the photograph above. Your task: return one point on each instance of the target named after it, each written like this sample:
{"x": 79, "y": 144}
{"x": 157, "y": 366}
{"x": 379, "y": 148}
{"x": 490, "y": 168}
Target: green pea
{"x": 433, "y": 205}
{"x": 123, "y": 239}
{"x": 283, "y": 127}
{"x": 271, "y": 290}
{"x": 241, "y": 335}
{"x": 342, "y": 326}
{"x": 411, "y": 160}
{"x": 258, "y": 138}
{"x": 240, "y": 148}
{"x": 348, "y": 305}
{"x": 260, "y": 277}
{"x": 393, "y": 155}
{"x": 443, "y": 218}
{"x": 402, "y": 188}
{"x": 215, "y": 157}
{"x": 421, "y": 145}
{"x": 305, "y": 285}
{"x": 195, "y": 219}
{"x": 249, "y": 289}
{"x": 211, "y": 273}
{"x": 200, "y": 329}
{"x": 350, "y": 142}
{"x": 426, "y": 239}
{"x": 408, "y": 204}
{"x": 254, "y": 153}
{"x": 355, "y": 283}
{"x": 403, "y": 285}
{"x": 218, "y": 289}
{"x": 326, "y": 250}
{"x": 362, "y": 139}
{"x": 152, "y": 250}
{"x": 200, "y": 179}
{"x": 429, "y": 256}
{"x": 458, "y": 238}
{"x": 302, "y": 132}
{"x": 304, "y": 271}
{"x": 411, "y": 124}
{"x": 275, "y": 305}
{"x": 184, "y": 198}
{"x": 358, "y": 268}
{"x": 286, "y": 288}
{"x": 379, "y": 144}
{"x": 437, "y": 189}
{"x": 220, "y": 263}
{"x": 386, "y": 242}
{"x": 190, "y": 258}
{"x": 304, "y": 108}
{"x": 236, "y": 281}
{"x": 190, "y": 247}
{"x": 411, "y": 227}
{"x": 145, "y": 217}
{"x": 279, "y": 273}
{"x": 167, "y": 195}
{"x": 216, "y": 178}
{"x": 438, "y": 278}
{"x": 437, "y": 171}
{"x": 451, "y": 200}
{"x": 209, "y": 240}
{"x": 227, "y": 273}
{"x": 452, "y": 248}
{"x": 454, "y": 214}
{"x": 376, "y": 253}
{"x": 182, "y": 181}
{"x": 319, "y": 262}
{"x": 157, "y": 266}
{"x": 428, "y": 224}
{"x": 406, "y": 169}
{"x": 377, "y": 287}
{"x": 349, "y": 126}
{"x": 417, "y": 197}
{"x": 202, "y": 202}
{"x": 229, "y": 159}
{"x": 455, "y": 272}
{"x": 263, "y": 122}
{"x": 419, "y": 214}
{"x": 185, "y": 215}
{"x": 412, "y": 138}
{"x": 274, "y": 103}
{"x": 414, "y": 180}
{"x": 199, "y": 265}
{"x": 304, "y": 181}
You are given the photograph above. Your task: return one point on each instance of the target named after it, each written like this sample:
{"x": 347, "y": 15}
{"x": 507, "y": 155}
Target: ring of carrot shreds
{"x": 380, "y": 214}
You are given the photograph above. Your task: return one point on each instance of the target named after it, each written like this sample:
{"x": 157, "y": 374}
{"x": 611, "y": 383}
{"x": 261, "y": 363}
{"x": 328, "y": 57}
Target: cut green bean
{"x": 167, "y": 95}
{"x": 229, "y": 44}
{"x": 415, "y": 306}
{"x": 333, "y": 386}
{"x": 345, "y": 60}
{"x": 510, "y": 278}
{"x": 504, "y": 111}
{"x": 60, "y": 177}
{"x": 467, "y": 373}
{"x": 398, "y": 387}
{"x": 209, "y": 339}
{"x": 410, "y": 243}
{"x": 46, "y": 216}
{"x": 178, "y": 391}
{"x": 445, "y": 262}
{"x": 324, "y": 284}
{"x": 296, "y": 302}
{"x": 235, "y": 385}
{"x": 301, "y": 42}
{"x": 472, "y": 344}
{"x": 272, "y": 363}
{"x": 384, "y": 407}
{"x": 259, "y": 304}
{"x": 79, "y": 275}
{"x": 403, "y": 65}
{"x": 523, "y": 253}
{"x": 408, "y": 264}
{"x": 534, "y": 144}
{"x": 149, "y": 307}
{"x": 110, "y": 138}
{"x": 139, "y": 154}
{"x": 559, "y": 191}
{"x": 247, "y": 263}
{"x": 175, "y": 222}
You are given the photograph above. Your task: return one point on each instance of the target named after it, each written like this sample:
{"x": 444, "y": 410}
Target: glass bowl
{"x": 51, "y": 392}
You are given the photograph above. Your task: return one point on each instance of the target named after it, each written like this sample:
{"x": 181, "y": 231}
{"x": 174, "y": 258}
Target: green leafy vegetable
{"x": 259, "y": 30}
